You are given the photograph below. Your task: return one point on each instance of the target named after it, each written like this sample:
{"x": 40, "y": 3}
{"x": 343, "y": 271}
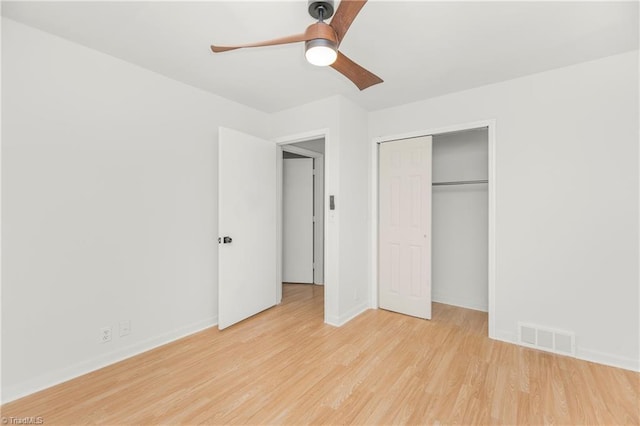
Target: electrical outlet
{"x": 105, "y": 334}
{"x": 125, "y": 327}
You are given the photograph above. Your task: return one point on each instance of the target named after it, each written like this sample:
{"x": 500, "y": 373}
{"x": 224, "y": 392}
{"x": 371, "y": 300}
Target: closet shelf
{"x": 460, "y": 182}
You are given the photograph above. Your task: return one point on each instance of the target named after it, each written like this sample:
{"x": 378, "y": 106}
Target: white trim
{"x": 437, "y": 131}
{"x": 458, "y": 300}
{"x": 2, "y": 391}
{"x": 581, "y": 353}
{"x": 304, "y": 137}
{"x": 332, "y": 320}
{"x": 279, "y": 224}
{"x": 608, "y": 359}
{"x": 47, "y": 380}
{"x": 301, "y": 151}
{"x": 328, "y": 264}
{"x": 506, "y": 336}
{"x": 348, "y": 316}
{"x": 491, "y": 126}
{"x": 373, "y": 233}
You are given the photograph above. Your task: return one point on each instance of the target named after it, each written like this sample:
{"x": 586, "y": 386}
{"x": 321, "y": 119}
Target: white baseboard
{"x": 338, "y": 321}
{"x": 332, "y": 320}
{"x": 608, "y": 359}
{"x": 44, "y": 381}
{"x": 506, "y": 336}
{"x": 462, "y": 302}
{"x": 581, "y": 353}
{"x": 352, "y": 313}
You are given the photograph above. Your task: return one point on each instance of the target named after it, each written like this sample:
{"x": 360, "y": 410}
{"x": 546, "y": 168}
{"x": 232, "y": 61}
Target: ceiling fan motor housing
{"x": 322, "y": 9}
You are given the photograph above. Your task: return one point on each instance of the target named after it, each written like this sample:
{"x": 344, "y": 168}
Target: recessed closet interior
{"x": 459, "y": 254}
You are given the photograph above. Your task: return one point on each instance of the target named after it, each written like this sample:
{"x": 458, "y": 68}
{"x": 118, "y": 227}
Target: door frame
{"x": 300, "y": 151}
{"x": 491, "y": 130}
{"x": 330, "y": 234}
{"x": 315, "y": 156}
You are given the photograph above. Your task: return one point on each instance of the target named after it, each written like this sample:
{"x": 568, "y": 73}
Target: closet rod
{"x": 460, "y": 182}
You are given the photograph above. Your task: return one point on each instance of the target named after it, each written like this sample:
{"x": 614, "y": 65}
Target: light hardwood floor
{"x": 284, "y": 366}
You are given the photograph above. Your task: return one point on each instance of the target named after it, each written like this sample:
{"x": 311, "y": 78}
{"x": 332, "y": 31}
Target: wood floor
{"x": 285, "y": 366}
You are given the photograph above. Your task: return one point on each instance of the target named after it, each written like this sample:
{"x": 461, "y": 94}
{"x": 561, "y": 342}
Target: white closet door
{"x": 297, "y": 220}
{"x": 405, "y": 226}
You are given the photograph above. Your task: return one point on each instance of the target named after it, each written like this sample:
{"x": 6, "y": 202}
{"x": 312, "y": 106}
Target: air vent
{"x": 564, "y": 343}
{"x": 546, "y": 339}
{"x": 528, "y": 335}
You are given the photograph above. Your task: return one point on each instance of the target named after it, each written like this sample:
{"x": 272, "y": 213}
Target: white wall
{"x": 460, "y": 222}
{"x": 346, "y": 170}
{"x": 109, "y": 194}
{"x": 354, "y": 207}
{"x": 567, "y": 198}
{"x": 307, "y": 122}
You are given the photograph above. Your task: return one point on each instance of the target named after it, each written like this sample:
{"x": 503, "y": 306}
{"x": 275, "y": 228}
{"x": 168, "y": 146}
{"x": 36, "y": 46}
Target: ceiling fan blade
{"x": 354, "y": 72}
{"x": 283, "y": 40}
{"x": 344, "y": 16}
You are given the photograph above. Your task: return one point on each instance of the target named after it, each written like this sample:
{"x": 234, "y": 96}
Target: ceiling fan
{"x": 322, "y": 40}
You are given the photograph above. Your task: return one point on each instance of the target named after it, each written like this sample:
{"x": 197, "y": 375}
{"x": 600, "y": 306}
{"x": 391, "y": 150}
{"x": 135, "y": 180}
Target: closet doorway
{"x": 460, "y": 219}
{"x": 303, "y": 212}
{"x": 459, "y": 206}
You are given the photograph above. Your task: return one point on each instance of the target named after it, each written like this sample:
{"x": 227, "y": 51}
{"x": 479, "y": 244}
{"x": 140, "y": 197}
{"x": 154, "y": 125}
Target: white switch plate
{"x": 125, "y": 327}
{"x": 105, "y": 334}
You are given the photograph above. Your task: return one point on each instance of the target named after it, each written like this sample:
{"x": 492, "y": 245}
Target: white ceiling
{"x": 421, "y": 49}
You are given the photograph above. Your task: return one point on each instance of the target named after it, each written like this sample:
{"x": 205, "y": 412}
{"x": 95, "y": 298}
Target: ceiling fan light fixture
{"x": 321, "y": 52}
{"x": 322, "y": 40}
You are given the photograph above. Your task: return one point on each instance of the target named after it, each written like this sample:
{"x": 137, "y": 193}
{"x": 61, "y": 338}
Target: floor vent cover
{"x": 546, "y": 339}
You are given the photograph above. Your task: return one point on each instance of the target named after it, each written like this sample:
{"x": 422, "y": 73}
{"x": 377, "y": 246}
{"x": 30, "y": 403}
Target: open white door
{"x": 405, "y": 226}
{"x": 318, "y": 221}
{"x": 297, "y": 220}
{"x": 247, "y": 222}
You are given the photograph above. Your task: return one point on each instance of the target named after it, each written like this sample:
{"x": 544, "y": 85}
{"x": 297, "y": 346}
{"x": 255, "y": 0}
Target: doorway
{"x": 250, "y": 226}
{"x": 460, "y": 219}
{"x": 446, "y": 195}
{"x": 303, "y": 212}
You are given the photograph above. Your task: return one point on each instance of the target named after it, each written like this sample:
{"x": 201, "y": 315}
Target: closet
{"x": 459, "y": 245}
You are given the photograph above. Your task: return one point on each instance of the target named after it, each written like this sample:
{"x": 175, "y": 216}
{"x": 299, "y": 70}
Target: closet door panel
{"x": 405, "y": 226}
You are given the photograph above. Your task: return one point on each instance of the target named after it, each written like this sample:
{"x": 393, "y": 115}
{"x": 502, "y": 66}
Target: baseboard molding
{"x": 332, "y": 320}
{"x": 339, "y": 321}
{"x": 506, "y": 336}
{"x": 28, "y": 387}
{"x": 581, "y": 353}
{"x": 608, "y": 359}
{"x": 455, "y": 300}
